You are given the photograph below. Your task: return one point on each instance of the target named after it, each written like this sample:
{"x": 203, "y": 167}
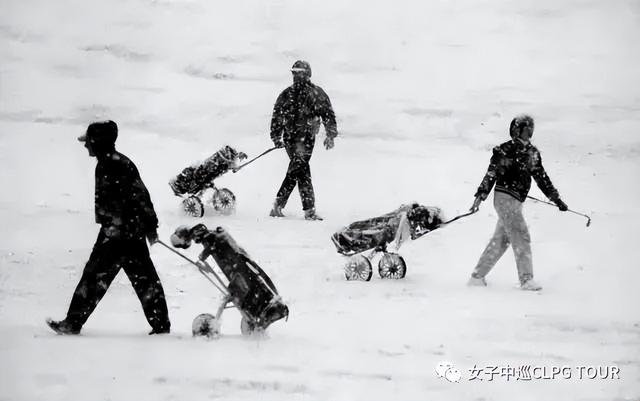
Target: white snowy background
{"x": 422, "y": 91}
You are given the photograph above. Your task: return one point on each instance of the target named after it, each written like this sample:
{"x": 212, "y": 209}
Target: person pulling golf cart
{"x": 247, "y": 287}
{"x": 192, "y": 183}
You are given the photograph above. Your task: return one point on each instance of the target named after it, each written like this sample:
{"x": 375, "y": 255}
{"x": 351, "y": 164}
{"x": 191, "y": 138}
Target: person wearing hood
{"x": 126, "y": 216}
{"x": 511, "y": 168}
{"x": 295, "y": 123}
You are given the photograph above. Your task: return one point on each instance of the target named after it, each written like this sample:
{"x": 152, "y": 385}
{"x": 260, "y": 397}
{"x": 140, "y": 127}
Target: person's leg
{"x": 289, "y": 182}
{"x": 305, "y": 185}
{"x": 97, "y": 276}
{"x": 516, "y": 228}
{"x": 145, "y": 281}
{"x": 492, "y": 253}
{"x": 496, "y": 246}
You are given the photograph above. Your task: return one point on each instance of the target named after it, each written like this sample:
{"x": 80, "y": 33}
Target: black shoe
{"x": 63, "y": 327}
{"x": 163, "y": 330}
{"x": 310, "y": 214}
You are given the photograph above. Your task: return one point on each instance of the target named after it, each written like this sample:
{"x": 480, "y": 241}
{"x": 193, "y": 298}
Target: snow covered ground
{"x": 422, "y": 91}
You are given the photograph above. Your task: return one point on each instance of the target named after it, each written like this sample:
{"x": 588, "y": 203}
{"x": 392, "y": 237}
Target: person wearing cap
{"x": 126, "y": 216}
{"x": 512, "y": 165}
{"x": 295, "y": 122}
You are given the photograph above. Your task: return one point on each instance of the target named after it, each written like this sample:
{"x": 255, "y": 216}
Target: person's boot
{"x": 63, "y": 327}
{"x": 276, "y": 211}
{"x": 160, "y": 330}
{"x": 310, "y": 214}
{"x": 477, "y": 282}
{"x": 530, "y": 285}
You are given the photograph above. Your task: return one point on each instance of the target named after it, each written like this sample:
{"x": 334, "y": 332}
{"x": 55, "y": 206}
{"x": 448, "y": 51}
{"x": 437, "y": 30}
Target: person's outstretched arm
{"x": 489, "y": 178}
{"x": 544, "y": 182}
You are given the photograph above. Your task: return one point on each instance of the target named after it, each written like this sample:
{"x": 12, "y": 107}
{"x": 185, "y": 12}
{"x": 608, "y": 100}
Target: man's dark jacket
{"x": 298, "y": 112}
{"x": 122, "y": 200}
{"x": 511, "y": 167}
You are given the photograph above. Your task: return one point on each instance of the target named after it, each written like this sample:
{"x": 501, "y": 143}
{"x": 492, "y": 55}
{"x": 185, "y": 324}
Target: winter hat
{"x": 518, "y": 123}
{"x": 302, "y": 66}
{"x": 103, "y": 132}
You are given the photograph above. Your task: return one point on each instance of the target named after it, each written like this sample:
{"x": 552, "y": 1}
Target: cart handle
{"x": 202, "y": 271}
{"x": 457, "y": 217}
{"x": 235, "y": 169}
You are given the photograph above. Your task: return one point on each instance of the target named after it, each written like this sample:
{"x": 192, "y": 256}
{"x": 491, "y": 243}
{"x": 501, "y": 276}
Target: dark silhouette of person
{"x": 512, "y": 165}
{"x": 296, "y": 119}
{"x": 126, "y": 216}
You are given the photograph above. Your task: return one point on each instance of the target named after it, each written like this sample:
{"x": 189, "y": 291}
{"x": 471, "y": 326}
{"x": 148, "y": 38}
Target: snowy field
{"x": 422, "y": 91}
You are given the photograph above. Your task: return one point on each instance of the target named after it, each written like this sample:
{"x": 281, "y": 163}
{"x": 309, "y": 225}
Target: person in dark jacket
{"x": 294, "y": 125}
{"x": 124, "y": 211}
{"x": 512, "y": 165}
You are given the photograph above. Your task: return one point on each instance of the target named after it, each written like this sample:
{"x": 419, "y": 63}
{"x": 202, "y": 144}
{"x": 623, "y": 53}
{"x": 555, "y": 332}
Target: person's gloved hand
{"x": 328, "y": 143}
{"x": 152, "y": 237}
{"x": 278, "y": 143}
{"x": 561, "y": 205}
{"x": 476, "y": 203}
{"x": 242, "y": 155}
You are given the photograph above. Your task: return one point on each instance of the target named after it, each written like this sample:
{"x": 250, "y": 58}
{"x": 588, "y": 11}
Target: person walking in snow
{"x": 512, "y": 165}
{"x": 295, "y": 123}
{"x": 125, "y": 213}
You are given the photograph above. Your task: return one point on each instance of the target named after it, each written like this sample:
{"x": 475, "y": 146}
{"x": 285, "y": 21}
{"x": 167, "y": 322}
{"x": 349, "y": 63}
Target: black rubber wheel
{"x": 392, "y": 266}
{"x": 193, "y": 206}
{"x": 223, "y": 201}
{"x": 205, "y": 325}
{"x": 358, "y": 267}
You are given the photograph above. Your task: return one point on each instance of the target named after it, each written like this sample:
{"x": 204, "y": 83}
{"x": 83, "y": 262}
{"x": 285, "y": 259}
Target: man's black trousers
{"x": 298, "y": 172}
{"x": 107, "y": 258}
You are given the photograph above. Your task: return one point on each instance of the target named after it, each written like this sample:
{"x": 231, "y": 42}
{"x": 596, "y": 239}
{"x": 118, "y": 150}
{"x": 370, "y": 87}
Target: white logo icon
{"x": 448, "y": 371}
{"x": 442, "y": 367}
{"x": 453, "y": 375}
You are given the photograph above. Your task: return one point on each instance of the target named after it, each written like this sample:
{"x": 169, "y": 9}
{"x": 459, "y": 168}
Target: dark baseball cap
{"x": 103, "y": 131}
{"x": 301, "y": 66}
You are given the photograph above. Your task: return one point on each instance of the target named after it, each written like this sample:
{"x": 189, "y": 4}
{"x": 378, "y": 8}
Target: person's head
{"x": 301, "y": 71}
{"x": 100, "y": 138}
{"x": 521, "y": 128}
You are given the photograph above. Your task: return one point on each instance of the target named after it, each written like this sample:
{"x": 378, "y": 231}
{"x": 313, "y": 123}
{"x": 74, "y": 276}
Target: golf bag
{"x": 375, "y": 234}
{"x": 247, "y": 286}
{"x": 193, "y": 181}
{"x": 379, "y": 231}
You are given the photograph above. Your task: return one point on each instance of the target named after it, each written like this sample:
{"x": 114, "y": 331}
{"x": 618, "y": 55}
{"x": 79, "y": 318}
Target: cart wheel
{"x": 224, "y": 201}
{"x": 358, "y": 267}
{"x": 205, "y": 325}
{"x": 193, "y": 206}
{"x": 248, "y": 328}
{"x": 392, "y": 265}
